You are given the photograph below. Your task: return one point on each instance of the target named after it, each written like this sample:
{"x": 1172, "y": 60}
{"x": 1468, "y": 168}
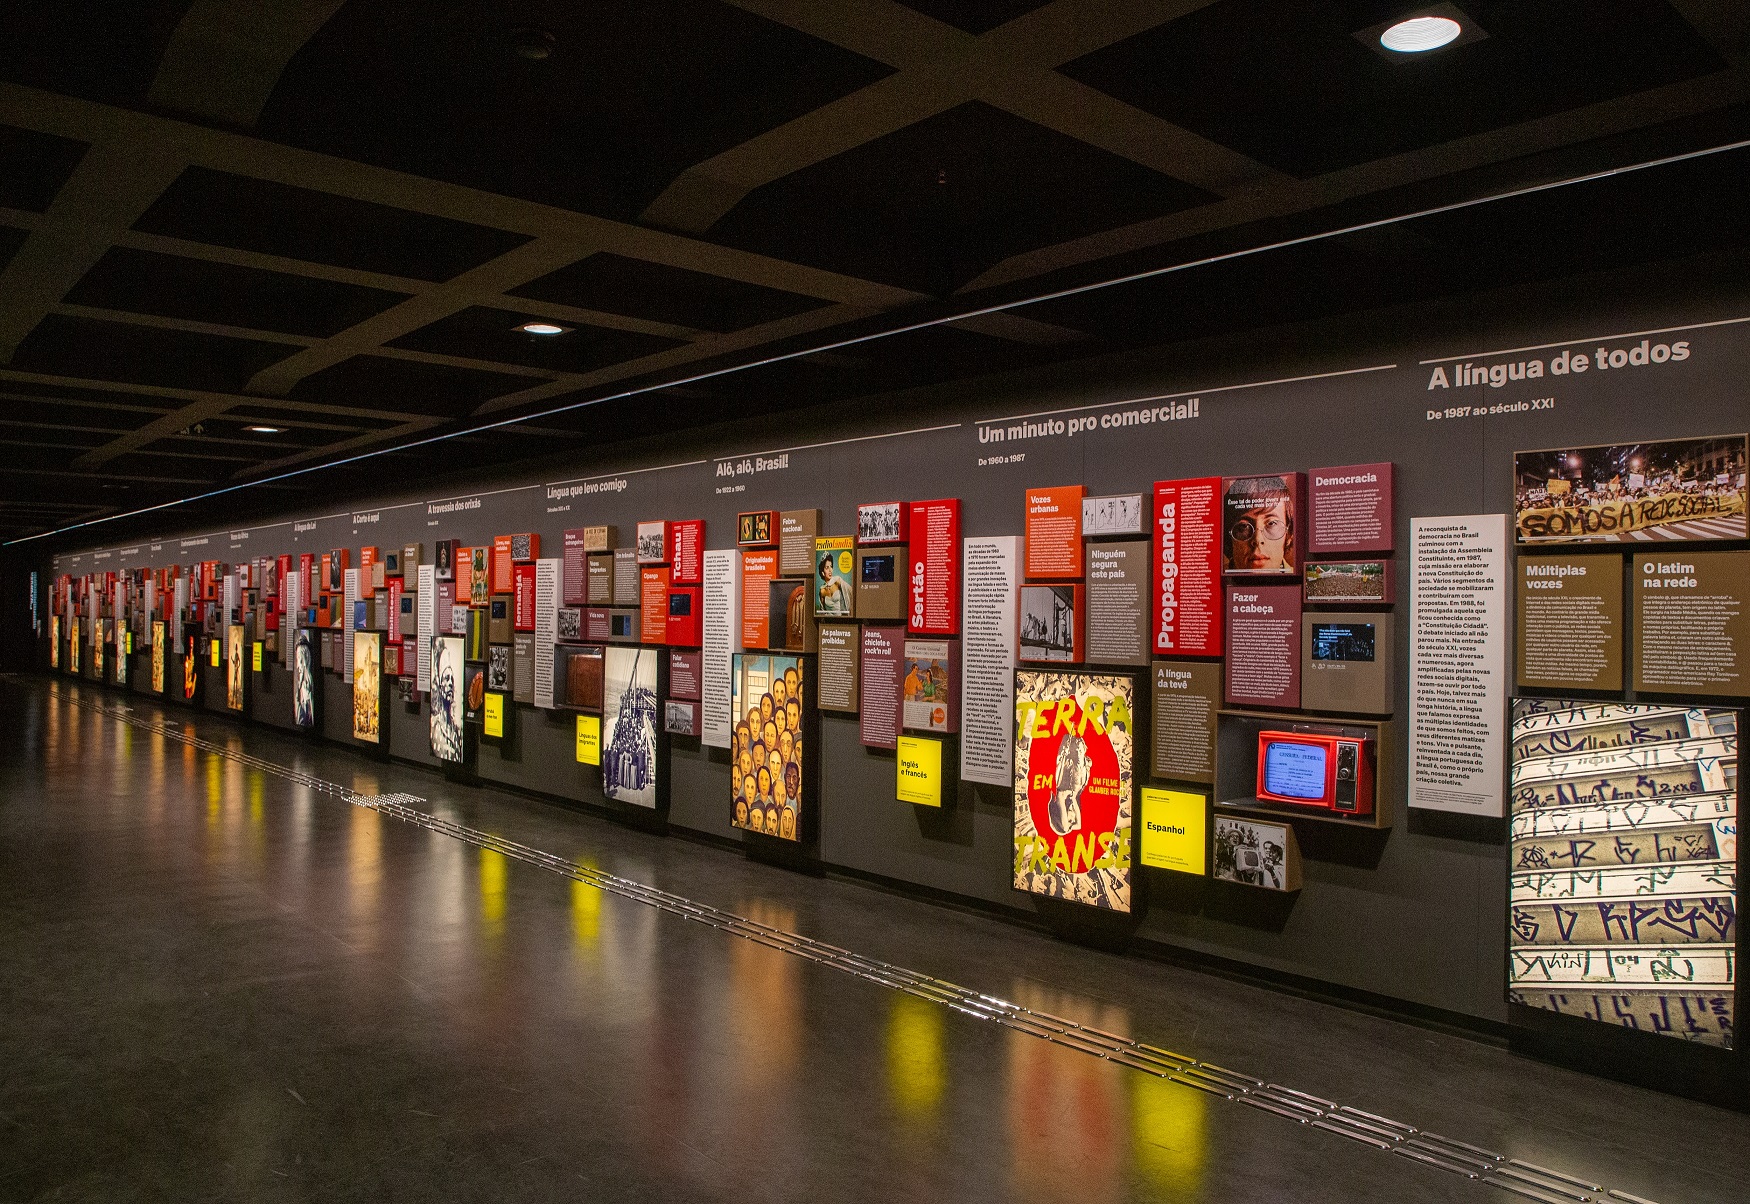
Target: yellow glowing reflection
{"x": 494, "y": 867}
{"x": 916, "y": 1063}
{"x": 586, "y": 914}
{"x": 256, "y": 786}
{"x": 215, "y": 790}
{"x": 1167, "y": 1138}
{"x": 364, "y": 859}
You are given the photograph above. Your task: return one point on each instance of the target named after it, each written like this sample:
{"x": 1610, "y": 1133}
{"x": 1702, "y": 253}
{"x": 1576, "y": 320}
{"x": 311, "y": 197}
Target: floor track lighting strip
{"x": 1395, "y": 1137}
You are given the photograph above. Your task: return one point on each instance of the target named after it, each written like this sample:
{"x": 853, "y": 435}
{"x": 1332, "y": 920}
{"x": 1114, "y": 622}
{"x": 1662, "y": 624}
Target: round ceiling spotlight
{"x": 533, "y": 44}
{"x": 543, "y": 328}
{"x": 1420, "y": 34}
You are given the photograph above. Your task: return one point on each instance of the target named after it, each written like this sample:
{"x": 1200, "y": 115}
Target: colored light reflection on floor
{"x": 586, "y": 915}
{"x": 917, "y": 1073}
{"x": 494, "y": 870}
{"x": 1168, "y": 1142}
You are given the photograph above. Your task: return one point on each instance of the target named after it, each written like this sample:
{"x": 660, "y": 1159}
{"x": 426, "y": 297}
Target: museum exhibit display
{"x": 525, "y": 547}
{"x": 367, "y": 686}
{"x": 1051, "y": 623}
{"x": 879, "y": 584}
{"x": 1053, "y": 533}
{"x": 882, "y": 522}
{"x": 498, "y": 624}
{"x": 756, "y": 528}
{"x": 1622, "y": 858}
{"x": 522, "y": 610}
{"x": 569, "y": 623}
{"x": 498, "y": 668}
{"x": 1263, "y": 644}
{"x": 578, "y": 676}
{"x": 773, "y": 744}
{"x": 1117, "y": 600}
{"x": 1187, "y": 596}
{"x": 1350, "y": 510}
{"x": 1075, "y": 748}
{"x": 1348, "y": 583}
{"x": 1248, "y": 852}
{"x": 922, "y": 772}
{"x": 1259, "y": 520}
{"x": 160, "y": 651}
{"x": 684, "y": 611}
{"x": 236, "y": 667}
{"x": 652, "y": 542}
{"x": 880, "y": 670}
{"x": 1346, "y": 662}
{"x": 479, "y": 576}
{"x": 601, "y": 538}
{"x": 598, "y": 589}
{"x": 1114, "y": 515}
{"x": 448, "y": 699}
{"x": 653, "y": 582}
{"x": 687, "y": 551}
{"x": 627, "y": 576}
{"x": 305, "y": 669}
{"x": 1315, "y": 769}
{"x": 834, "y": 589}
{"x": 1691, "y": 623}
{"x": 930, "y": 686}
{"x": 473, "y": 692}
{"x": 933, "y": 568}
{"x": 1688, "y": 489}
{"x": 680, "y": 717}
{"x": 839, "y": 645}
{"x": 797, "y": 531}
{"x": 790, "y": 615}
{"x": 1185, "y": 697}
{"x": 1173, "y": 832}
{"x": 633, "y": 742}
{"x": 1570, "y": 622}
{"x": 496, "y": 715}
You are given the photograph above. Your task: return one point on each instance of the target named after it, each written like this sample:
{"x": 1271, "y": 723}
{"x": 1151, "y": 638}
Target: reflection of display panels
{"x": 773, "y": 747}
{"x": 633, "y": 769}
{"x": 367, "y": 686}
{"x": 1074, "y": 786}
{"x": 448, "y": 699}
{"x": 1623, "y": 865}
{"x": 1260, "y": 521}
{"x": 1252, "y": 853}
{"x": 1674, "y": 489}
{"x": 1051, "y": 623}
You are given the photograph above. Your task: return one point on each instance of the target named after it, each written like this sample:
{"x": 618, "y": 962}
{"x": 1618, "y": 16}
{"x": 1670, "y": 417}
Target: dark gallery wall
{"x": 1416, "y": 913}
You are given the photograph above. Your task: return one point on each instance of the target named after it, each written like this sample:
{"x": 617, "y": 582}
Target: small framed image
{"x": 754, "y": 528}
{"x": 881, "y": 522}
{"x": 1112, "y": 515}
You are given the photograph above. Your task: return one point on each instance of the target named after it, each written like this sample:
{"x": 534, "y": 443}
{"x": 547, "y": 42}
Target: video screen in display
{"x": 1342, "y": 642}
{"x": 1295, "y": 770}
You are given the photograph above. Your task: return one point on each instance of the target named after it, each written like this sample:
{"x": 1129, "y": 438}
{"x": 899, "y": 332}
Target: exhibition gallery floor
{"x": 220, "y": 979}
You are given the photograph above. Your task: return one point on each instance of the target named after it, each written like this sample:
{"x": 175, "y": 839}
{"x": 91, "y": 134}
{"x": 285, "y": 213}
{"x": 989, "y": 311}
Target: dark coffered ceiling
{"x": 331, "y": 217}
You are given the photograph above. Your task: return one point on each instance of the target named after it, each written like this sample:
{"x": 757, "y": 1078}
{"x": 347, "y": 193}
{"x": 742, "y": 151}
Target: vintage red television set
{"x": 1313, "y": 769}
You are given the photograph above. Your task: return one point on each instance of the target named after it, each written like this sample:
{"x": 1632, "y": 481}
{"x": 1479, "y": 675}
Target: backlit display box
{"x": 686, "y": 607}
{"x": 1309, "y": 769}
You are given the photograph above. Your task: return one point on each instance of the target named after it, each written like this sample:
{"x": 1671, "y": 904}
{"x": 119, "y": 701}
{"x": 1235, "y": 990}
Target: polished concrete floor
{"x": 220, "y": 984}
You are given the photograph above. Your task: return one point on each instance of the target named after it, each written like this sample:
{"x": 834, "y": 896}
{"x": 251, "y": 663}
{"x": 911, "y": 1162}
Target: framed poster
{"x": 1622, "y": 865}
{"x": 304, "y": 670}
{"x": 834, "y": 559}
{"x": 1074, "y": 786}
{"x": 55, "y": 642}
{"x": 1261, "y": 517}
{"x": 632, "y": 766}
{"x": 1251, "y": 853}
{"x": 160, "y": 655}
{"x": 1674, "y": 489}
{"x": 882, "y": 522}
{"x": 448, "y": 698}
{"x": 367, "y": 686}
{"x": 768, "y": 696}
{"x": 236, "y": 667}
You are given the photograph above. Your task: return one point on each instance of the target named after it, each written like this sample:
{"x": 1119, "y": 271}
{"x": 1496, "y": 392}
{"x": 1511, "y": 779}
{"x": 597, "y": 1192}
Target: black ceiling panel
{"x": 196, "y": 289}
{"x": 974, "y": 16}
{"x": 97, "y": 350}
{"x": 304, "y": 223}
{"x": 1289, "y": 84}
{"x": 33, "y": 166}
{"x": 381, "y": 383}
{"x": 932, "y": 205}
{"x": 11, "y": 239}
{"x": 106, "y": 50}
{"x": 629, "y": 98}
{"x": 491, "y": 334}
{"x": 656, "y": 292}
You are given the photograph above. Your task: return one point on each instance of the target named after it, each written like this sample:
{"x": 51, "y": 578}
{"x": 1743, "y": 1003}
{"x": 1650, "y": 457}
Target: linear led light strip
{"x": 1003, "y": 307}
{"x": 1473, "y": 1162}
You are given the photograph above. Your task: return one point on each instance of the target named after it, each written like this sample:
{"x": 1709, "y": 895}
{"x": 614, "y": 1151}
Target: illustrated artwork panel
{"x": 767, "y": 693}
{"x": 367, "y": 686}
{"x": 1622, "y": 860}
{"x": 629, "y": 710}
{"x": 1074, "y": 786}
{"x": 448, "y": 699}
{"x": 304, "y": 669}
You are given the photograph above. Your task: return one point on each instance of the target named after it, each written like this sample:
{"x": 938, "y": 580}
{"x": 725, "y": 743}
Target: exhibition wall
{"x": 1409, "y": 903}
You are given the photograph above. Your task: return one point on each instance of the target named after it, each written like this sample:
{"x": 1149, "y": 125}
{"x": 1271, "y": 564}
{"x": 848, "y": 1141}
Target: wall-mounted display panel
{"x": 797, "y": 531}
{"x": 840, "y": 644}
{"x": 1350, "y": 510}
{"x": 653, "y": 542}
{"x": 1187, "y": 565}
{"x": 1051, "y": 623}
{"x": 632, "y": 740}
{"x": 1174, "y": 830}
{"x": 1118, "y": 607}
{"x": 1569, "y": 633}
{"x": 933, "y": 580}
{"x": 1263, "y": 645}
{"x": 160, "y": 651}
{"x": 882, "y": 522}
{"x": 920, "y": 770}
{"x": 930, "y": 688}
{"x": 1185, "y": 698}
{"x": 880, "y": 588}
{"x": 789, "y": 615}
{"x": 756, "y": 528}
{"x": 236, "y": 667}
{"x": 687, "y": 540}
{"x": 1261, "y": 519}
{"x": 1622, "y": 859}
{"x": 1075, "y": 742}
{"x": 1349, "y": 583}
{"x": 834, "y": 577}
{"x": 772, "y": 736}
{"x": 1053, "y": 533}
{"x": 448, "y": 699}
{"x": 1249, "y": 852}
{"x": 367, "y": 686}
{"x": 1347, "y": 661}
{"x": 1688, "y": 489}
{"x": 1692, "y": 623}
{"x": 579, "y": 674}
{"x": 1114, "y": 515}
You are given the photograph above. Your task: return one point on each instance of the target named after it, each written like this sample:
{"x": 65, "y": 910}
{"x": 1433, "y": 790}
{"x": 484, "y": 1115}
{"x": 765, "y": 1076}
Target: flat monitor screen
{"x": 877, "y": 570}
{"x": 680, "y": 605}
{"x": 1342, "y": 642}
{"x": 1295, "y": 770}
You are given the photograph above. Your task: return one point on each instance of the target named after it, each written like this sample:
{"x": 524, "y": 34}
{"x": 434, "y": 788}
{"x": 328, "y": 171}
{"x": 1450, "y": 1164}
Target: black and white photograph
{"x": 570, "y": 623}
{"x": 498, "y": 667}
{"x": 881, "y": 522}
{"x": 680, "y": 718}
{"x": 1048, "y": 622}
{"x": 652, "y": 544}
{"x": 1251, "y": 854}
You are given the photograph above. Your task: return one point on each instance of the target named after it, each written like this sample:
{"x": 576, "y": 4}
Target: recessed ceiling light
{"x": 264, "y": 430}
{"x": 1419, "y": 34}
{"x": 541, "y": 328}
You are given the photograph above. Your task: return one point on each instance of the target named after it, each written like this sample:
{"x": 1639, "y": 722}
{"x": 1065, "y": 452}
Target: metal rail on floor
{"x": 1485, "y": 1167}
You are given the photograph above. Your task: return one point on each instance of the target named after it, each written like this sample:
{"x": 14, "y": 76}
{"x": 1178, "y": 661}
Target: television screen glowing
{"x": 1295, "y": 770}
